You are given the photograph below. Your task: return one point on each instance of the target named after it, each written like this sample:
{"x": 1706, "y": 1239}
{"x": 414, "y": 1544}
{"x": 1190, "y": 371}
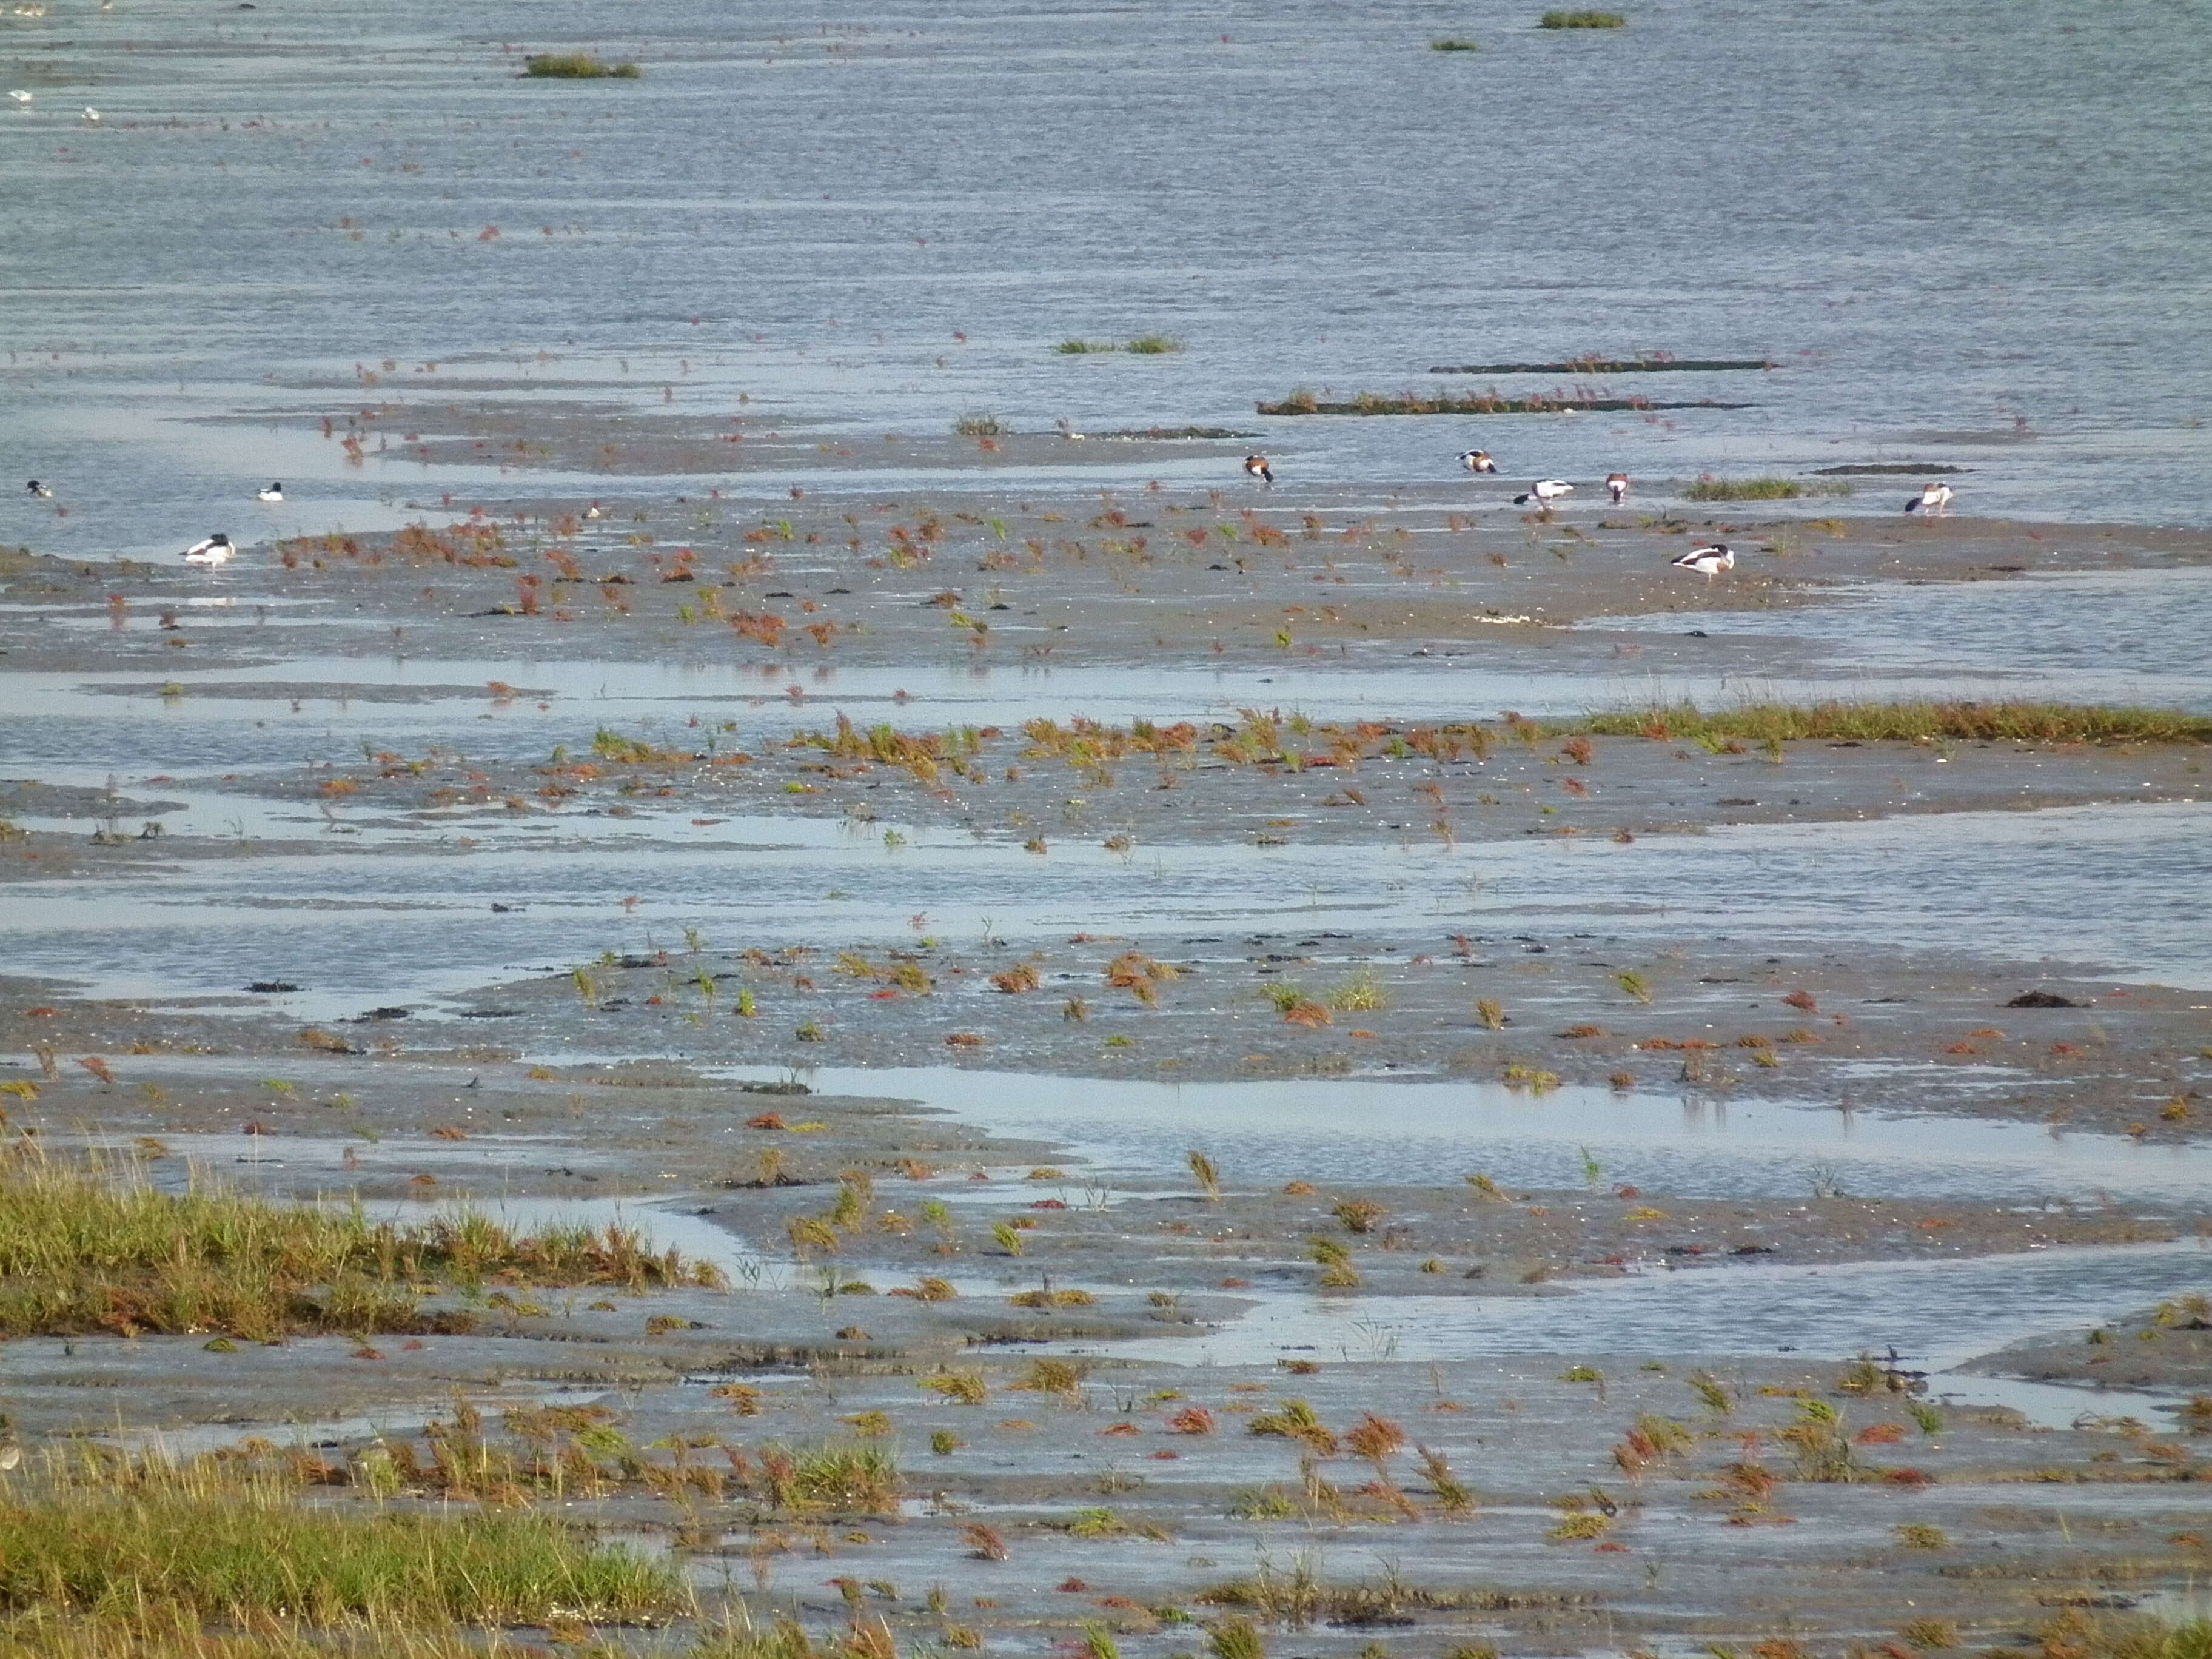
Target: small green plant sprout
{"x": 1009, "y": 1240}
{"x": 1929, "y": 1419}
{"x": 980, "y": 423}
{"x": 1358, "y": 1215}
{"x": 1060, "y": 1377}
{"x": 1097, "y": 1640}
{"x": 1235, "y": 1639}
{"x": 1454, "y": 43}
{"x": 1294, "y": 1420}
{"x": 1453, "y": 1495}
{"x": 1576, "y": 1528}
{"x": 1360, "y": 995}
{"x": 1074, "y": 346}
{"x": 1593, "y": 1171}
{"x": 961, "y": 1386}
{"x": 1861, "y": 1375}
{"x": 1637, "y": 987}
{"x": 747, "y": 1008}
{"x": 576, "y": 66}
{"x": 1208, "y": 1178}
{"x": 1584, "y": 1374}
{"x": 1711, "y": 1394}
{"x": 810, "y": 1030}
{"x": 1491, "y": 1015}
{"x": 1820, "y": 1444}
{"x": 1922, "y": 1538}
{"x": 1583, "y": 20}
{"x": 943, "y": 1442}
{"x": 938, "y": 1215}
{"x": 1153, "y": 345}
{"x": 1487, "y": 1188}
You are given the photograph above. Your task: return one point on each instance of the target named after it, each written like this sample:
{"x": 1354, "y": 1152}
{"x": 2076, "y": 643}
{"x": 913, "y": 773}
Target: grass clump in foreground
{"x": 1583, "y": 20}
{"x": 576, "y": 66}
{"x": 200, "y": 1543}
{"x": 1905, "y": 722}
{"x": 1450, "y": 43}
{"x": 94, "y": 1246}
{"x": 1759, "y": 489}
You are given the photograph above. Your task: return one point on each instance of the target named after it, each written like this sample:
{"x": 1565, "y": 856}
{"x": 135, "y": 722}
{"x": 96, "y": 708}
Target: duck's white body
{"x": 1257, "y": 467}
{"x": 1618, "y": 484}
{"x": 1934, "y": 499}
{"x": 1478, "y": 460}
{"x": 1544, "y": 491}
{"x": 216, "y": 550}
{"x": 274, "y": 493}
{"x": 1707, "y": 561}
{"x": 42, "y": 491}
{"x": 19, "y": 96}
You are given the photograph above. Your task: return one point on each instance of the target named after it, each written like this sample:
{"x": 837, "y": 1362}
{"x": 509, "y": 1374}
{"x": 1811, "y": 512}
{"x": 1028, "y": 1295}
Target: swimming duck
{"x": 274, "y": 493}
{"x": 1478, "y": 460}
{"x": 216, "y": 550}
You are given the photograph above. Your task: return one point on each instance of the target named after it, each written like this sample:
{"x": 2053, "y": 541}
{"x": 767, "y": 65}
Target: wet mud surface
{"x": 883, "y": 901}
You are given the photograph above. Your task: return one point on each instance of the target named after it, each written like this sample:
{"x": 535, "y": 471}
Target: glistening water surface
{"x": 2127, "y": 887}
{"x": 1416, "y": 1132}
{"x": 886, "y": 223}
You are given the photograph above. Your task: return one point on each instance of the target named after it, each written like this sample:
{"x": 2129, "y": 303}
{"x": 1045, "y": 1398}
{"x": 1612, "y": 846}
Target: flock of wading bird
{"x": 1708, "y": 560}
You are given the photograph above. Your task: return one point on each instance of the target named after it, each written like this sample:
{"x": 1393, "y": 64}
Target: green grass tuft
{"x": 95, "y": 1247}
{"x": 1905, "y": 722}
{"x": 1153, "y": 345}
{"x": 1073, "y": 348}
{"x": 241, "y": 1552}
{"x": 1759, "y": 490}
{"x": 576, "y": 66}
{"x": 1447, "y": 44}
{"x": 1583, "y": 20}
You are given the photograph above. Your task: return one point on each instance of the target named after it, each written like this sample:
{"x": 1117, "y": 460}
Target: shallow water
{"x": 2128, "y": 887}
{"x": 1414, "y": 1131}
{"x": 912, "y": 210}
{"x": 1935, "y": 1314}
{"x": 2128, "y": 637}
